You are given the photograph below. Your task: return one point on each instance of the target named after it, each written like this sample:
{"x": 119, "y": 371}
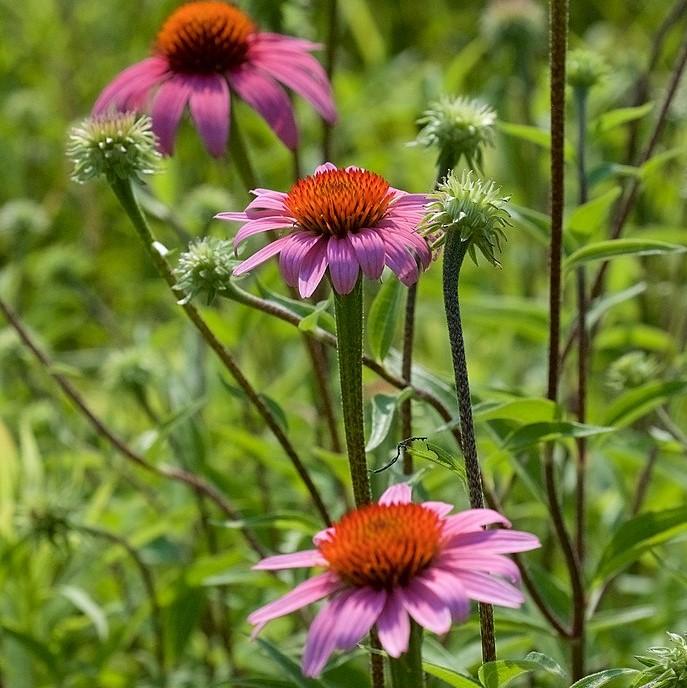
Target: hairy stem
{"x": 239, "y": 156}
{"x": 406, "y": 374}
{"x": 124, "y": 193}
{"x": 406, "y": 671}
{"x": 454, "y": 255}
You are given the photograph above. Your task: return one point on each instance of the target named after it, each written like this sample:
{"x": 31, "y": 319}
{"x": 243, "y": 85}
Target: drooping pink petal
{"x": 493, "y": 541}
{"x": 396, "y": 494}
{"x": 266, "y": 41}
{"x": 307, "y": 558}
{"x": 369, "y": 250}
{"x": 325, "y": 167}
{"x": 125, "y": 90}
{"x": 447, "y": 587}
{"x": 313, "y": 266}
{"x": 168, "y": 107}
{"x": 359, "y": 612}
{"x": 487, "y": 563}
{"x": 343, "y": 265}
{"x": 232, "y": 217}
{"x": 472, "y": 520}
{"x": 292, "y": 254}
{"x": 425, "y": 607}
{"x": 439, "y": 508}
{"x": 303, "y": 77}
{"x": 307, "y": 592}
{"x": 261, "y": 256}
{"x": 485, "y": 588}
{"x": 399, "y": 260}
{"x": 268, "y": 99}
{"x": 264, "y": 224}
{"x": 322, "y": 637}
{"x": 393, "y": 626}
{"x": 210, "y": 104}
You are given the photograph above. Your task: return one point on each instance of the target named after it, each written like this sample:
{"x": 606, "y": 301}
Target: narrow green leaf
{"x": 529, "y": 410}
{"x": 289, "y": 667}
{"x": 638, "y": 535}
{"x": 654, "y": 164}
{"x": 587, "y": 218}
{"x": 602, "y": 306}
{"x": 383, "y": 317}
{"x": 35, "y": 647}
{"x": 311, "y": 321}
{"x": 540, "y": 137}
{"x": 450, "y": 677}
{"x": 615, "y": 118}
{"x": 635, "y": 403}
{"x": 614, "y": 248}
{"x": 534, "y": 433}
{"x": 383, "y": 410}
{"x": 603, "y": 678}
{"x": 85, "y": 603}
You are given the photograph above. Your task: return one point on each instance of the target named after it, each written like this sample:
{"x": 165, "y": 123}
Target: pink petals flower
{"x": 344, "y": 220}
{"x": 206, "y": 51}
{"x": 394, "y": 561}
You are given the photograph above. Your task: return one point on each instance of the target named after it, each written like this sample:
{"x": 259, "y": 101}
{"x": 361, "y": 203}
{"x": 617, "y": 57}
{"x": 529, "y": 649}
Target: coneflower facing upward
{"x": 205, "y": 51}
{"x": 346, "y": 220}
{"x": 394, "y": 561}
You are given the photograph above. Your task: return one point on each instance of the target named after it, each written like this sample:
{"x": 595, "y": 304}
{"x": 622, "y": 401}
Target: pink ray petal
{"x": 325, "y": 167}
{"x": 369, "y": 250}
{"x": 492, "y": 541}
{"x": 232, "y": 217}
{"x": 268, "y": 99}
{"x": 313, "y": 267}
{"x": 126, "y": 89}
{"x": 307, "y": 558}
{"x": 359, "y": 612}
{"x": 264, "y": 40}
{"x": 323, "y": 535}
{"x": 439, "y": 508}
{"x": 264, "y": 224}
{"x": 321, "y": 640}
{"x": 472, "y": 520}
{"x": 485, "y": 588}
{"x": 261, "y": 256}
{"x": 168, "y": 107}
{"x": 400, "y": 260}
{"x": 307, "y": 592}
{"x": 487, "y": 563}
{"x": 425, "y": 607}
{"x": 292, "y": 255}
{"x": 343, "y": 265}
{"x": 396, "y": 494}
{"x": 447, "y": 587}
{"x": 210, "y": 104}
{"x": 393, "y": 626}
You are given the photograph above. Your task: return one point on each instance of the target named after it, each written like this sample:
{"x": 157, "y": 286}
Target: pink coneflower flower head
{"x": 346, "y": 220}
{"x": 394, "y": 561}
{"x": 206, "y": 51}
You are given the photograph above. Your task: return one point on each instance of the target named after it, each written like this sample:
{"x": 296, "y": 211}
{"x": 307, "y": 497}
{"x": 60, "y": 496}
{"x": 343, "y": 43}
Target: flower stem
{"x": 124, "y": 192}
{"x": 330, "y": 60}
{"x": 406, "y": 671}
{"x": 349, "y": 330}
{"x": 454, "y": 254}
{"x": 239, "y": 156}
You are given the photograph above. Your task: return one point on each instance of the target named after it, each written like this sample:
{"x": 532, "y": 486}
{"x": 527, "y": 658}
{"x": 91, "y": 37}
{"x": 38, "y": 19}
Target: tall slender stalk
{"x": 558, "y": 46}
{"x": 455, "y": 250}
{"x": 406, "y": 671}
{"x": 124, "y": 192}
{"x": 239, "y": 156}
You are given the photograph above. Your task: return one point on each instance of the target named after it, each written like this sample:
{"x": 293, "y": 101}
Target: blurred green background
{"x": 73, "y": 610}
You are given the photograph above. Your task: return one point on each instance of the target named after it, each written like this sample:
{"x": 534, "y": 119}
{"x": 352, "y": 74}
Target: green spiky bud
{"x": 632, "y": 370}
{"x": 115, "y": 145}
{"x": 205, "y": 268}
{"x": 460, "y": 128}
{"x": 521, "y": 22}
{"x": 667, "y": 666}
{"x": 472, "y": 207}
{"x": 586, "y": 68}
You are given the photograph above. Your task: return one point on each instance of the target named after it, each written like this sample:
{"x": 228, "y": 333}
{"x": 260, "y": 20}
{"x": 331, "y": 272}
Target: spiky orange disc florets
{"x": 337, "y": 202}
{"x": 383, "y": 545}
{"x": 205, "y": 37}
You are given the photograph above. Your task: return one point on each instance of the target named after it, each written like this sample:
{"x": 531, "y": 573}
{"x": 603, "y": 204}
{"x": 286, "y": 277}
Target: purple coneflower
{"x": 206, "y": 50}
{"x": 346, "y": 220}
{"x": 394, "y": 561}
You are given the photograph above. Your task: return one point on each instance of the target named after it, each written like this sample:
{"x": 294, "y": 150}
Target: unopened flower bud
{"x": 205, "y": 268}
{"x": 585, "y": 69}
{"x": 666, "y": 667}
{"x": 632, "y": 370}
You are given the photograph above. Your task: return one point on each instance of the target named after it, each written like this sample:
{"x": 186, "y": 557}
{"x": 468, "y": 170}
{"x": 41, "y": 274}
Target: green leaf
{"x": 84, "y": 603}
{"x": 534, "y": 433}
{"x": 529, "y": 410}
{"x": 35, "y": 647}
{"x": 603, "y": 305}
{"x": 635, "y": 335}
{"x": 311, "y": 321}
{"x": 637, "y": 536}
{"x": 615, "y": 118}
{"x": 614, "y": 248}
{"x": 382, "y": 319}
{"x": 654, "y": 164}
{"x": 299, "y": 307}
{"x": 602, "y": 678}
{"x": 383, "y": 410}
{"x": 540, "y": 137}
{"x": 635, "y": 403}
{"x": 450, "y": 677}
{"x": 289, "y": 667}
{"x": 503, "y": 672}
{"x": 589, "y": 217}
{"x": 437, "y": 454}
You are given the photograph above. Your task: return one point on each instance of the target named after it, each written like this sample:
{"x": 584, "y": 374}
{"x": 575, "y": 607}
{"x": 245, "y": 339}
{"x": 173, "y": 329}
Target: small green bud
{"x": 667, "y": 667}
{"x": 133, "y": 369}
{"x": 23, "y": 216}
{"x": 586, "y": 68}
{"x": 522, "y": 22}
{"x": 115, "y": 145}
{"x": 472, "y": 207}
{"x": 205, "y": 268}
{"x": 458, "y": 127}
{"x": 632, "y": 370}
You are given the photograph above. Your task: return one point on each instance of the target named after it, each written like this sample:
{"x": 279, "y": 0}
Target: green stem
{"x": 124, "y": 192}
{"x": 349, "y": 330}
{"x": 454, "y": 255}
{"x": 406, "y": 671}
{"x": 239, "y": 156}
